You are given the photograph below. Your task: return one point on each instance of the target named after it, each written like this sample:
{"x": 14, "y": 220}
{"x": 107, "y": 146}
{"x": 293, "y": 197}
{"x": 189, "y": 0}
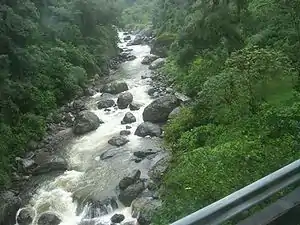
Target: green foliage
{"x": 239, "y": 62}
{"x": 48, "y": 50}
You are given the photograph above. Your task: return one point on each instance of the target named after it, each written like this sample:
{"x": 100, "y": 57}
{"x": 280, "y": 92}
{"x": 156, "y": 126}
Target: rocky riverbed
{"x": 103, "y": 160}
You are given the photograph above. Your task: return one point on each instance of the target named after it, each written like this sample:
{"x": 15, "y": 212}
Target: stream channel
{"x": 90, "y": 177}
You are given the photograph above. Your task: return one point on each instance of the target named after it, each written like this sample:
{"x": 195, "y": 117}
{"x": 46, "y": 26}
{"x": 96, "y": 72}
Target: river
{"x": 89, "y": 177}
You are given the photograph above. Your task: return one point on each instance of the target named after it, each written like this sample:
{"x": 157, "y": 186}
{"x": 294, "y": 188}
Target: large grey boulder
{"x": 159, "y": 168}
{"x": 128, "y": 118}
{"x": 105, "y": 103}
{"x": 118, "y": 141}
{"x": 144, "y": 209}
{"x": 148, "y": 128}
{"x": 131, "y": 192}
{"x": 47, "y": 162}
{"x": 85, "y": 122}
{"x": 48, "y": 219}
{"x": 147, "y": 60}
{"x": 174, "y": 113}
{"x": 124, "y": 100}
{"x": 159, "y": 110}
{"x": 115, "y": 87}
{"x": 158, "y": 63}
{"x": 25, "y": 216}
{"x": 10, "y": 204}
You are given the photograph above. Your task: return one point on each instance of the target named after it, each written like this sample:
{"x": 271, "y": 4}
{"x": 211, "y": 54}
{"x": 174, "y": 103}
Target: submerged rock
{"x": 125, "y": 132}
{"x": 85, "y": 122}
{"x": 148, "y": 128}
{"x": 101, "y": 207}
{"x": 159, "y": 110}
{"x": 25, "y": 216}
{"x": 124, "y": 100}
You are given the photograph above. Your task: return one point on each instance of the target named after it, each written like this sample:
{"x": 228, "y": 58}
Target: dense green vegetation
{"x": 136, "y": 14}
{"x": 239, "y": 62}
{"x": 48, "y": 50}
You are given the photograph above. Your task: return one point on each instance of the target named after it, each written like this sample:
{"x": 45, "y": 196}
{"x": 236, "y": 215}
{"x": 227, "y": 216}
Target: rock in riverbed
{"x": 48, "y": 219}
{"x": 118, "y": 141}
{"x": 159, "y": 110}
{"x": 144, "y": 208}
{"x": 158, "y": 63}
{"x": 130, "y": 179}
{"x": 115, "y": 87}
{"x": 134, "y": 106}
{"x": 147, "y": 60}
{"x": 128, "y": 118}
{"x": 117, "y": 218}
{"x": 124, "y": 100}
{"x": 131, "y": 192}
{"x": 25, "y": 216}
{"x": 85, "y": 122}
{"x": 148, "y": 128}
{"x": 105, "y": 103}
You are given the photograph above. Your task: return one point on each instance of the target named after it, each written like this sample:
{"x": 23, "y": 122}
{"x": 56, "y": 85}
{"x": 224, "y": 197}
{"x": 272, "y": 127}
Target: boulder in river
{"x": 144, "y": 209}
{"x": 127, "y": 38}
{"x": 85, "y": 122}
{"x": 148, "y": 128}
{"x": 48, "y": 219}
{"x": 115, "y": 87}
{"x": 10, "y": 204}
{"x": 134, "y": 106}
{"x": 105, "y": 103}
{"x": 147, "y": 60}
{"x": 158, "y": 63}
{"x": 25, "y": 216}
{"x": 131, "y": 192}
{"x": 99, "y": 208}
{"x": 78, "y": 105}
{"x": 130, "y": 179}
{"x": 124, "y": 100}
{"x": 174, "y": 113}
{"x": 47, "y": 162}
{"x": 118, "y": 141}
{"x": 117, "y": 218}
{"x": 159, "y": 168}
{"x": 128, "y": 118}
{"x": 159, "y": 110}
{"x": 143, "y": 154}
{"x": 125, "y": 132}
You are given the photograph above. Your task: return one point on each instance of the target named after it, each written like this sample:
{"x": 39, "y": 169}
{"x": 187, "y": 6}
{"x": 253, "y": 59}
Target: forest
{"x": 48, "y": 51}
{"x": 238, "y": 60}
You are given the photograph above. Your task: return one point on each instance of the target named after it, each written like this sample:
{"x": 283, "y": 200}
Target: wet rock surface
{"x": 25, "y": 216}
{"x": 127, "y": 195}
{"x": 158, "y": 111}
{"x": 85, "y": 122}
{"x": 118, "y": 141}
{"x": 48, "y": 219}
{"x": 105, "y": 103}
{"x": 148, "y": 128}
{"x": 128, "y": 118}
{"x": 115, "y": 87}
{"x": 124, "y": 100}
{"x": 117, "y": 218}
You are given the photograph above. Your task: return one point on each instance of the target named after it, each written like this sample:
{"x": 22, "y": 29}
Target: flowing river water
{"x": 89, "y": 177}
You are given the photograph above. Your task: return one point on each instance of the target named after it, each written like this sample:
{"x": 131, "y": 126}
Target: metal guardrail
{"x": 226, "y": 208}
